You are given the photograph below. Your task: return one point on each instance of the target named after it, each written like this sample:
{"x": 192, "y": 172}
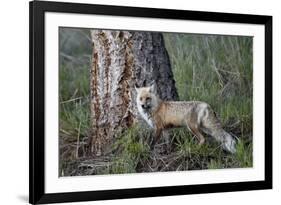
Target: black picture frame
{"x": 37, "y": 11}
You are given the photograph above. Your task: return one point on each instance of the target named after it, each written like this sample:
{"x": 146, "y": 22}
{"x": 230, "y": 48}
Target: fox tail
{"x": 228, "y": 142}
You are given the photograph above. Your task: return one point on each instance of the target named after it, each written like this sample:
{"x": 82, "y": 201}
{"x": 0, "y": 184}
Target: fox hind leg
{"x": 195, "y": 130}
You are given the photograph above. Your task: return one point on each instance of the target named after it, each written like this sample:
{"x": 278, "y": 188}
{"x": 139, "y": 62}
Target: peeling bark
{"x": 120, "y": 59}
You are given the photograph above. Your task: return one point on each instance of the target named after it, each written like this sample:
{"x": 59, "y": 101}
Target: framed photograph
{"x": 140, "y": 102}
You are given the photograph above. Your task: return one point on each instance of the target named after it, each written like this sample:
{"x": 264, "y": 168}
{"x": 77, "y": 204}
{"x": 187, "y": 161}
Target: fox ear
{"x": 153, "y": 88}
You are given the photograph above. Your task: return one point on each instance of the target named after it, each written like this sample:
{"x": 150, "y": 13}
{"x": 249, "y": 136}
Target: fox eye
{"x": 140, "y": 98}
{"x": 148, "y": 98}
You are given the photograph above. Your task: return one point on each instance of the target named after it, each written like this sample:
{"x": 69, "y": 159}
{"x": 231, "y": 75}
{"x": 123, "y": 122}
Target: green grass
{"x": 214, "y": 69}
{"x": 132, "y": 154}
{"x": 130, "y": 149}
{"x": 74, "y": 101}
{"x": 210, "y": 155}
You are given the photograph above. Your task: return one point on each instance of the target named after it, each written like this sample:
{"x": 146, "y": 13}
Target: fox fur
{"x": 197, "y": 116}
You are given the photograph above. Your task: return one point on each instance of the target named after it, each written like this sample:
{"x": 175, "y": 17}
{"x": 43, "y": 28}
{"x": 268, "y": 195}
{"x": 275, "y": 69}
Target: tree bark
{"x": 121, "y": 59}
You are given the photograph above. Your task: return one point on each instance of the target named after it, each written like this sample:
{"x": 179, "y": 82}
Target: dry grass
{"x": 131, "y": 153}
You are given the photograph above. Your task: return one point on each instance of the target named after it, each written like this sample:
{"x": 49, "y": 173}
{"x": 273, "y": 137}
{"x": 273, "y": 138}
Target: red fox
{"x": 195, "y": 115}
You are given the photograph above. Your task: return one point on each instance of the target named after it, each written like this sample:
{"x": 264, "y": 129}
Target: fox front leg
{"x": 156, "y": 137}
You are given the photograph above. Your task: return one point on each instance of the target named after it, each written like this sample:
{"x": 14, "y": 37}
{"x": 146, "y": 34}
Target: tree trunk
{"x": 121, "y": 59}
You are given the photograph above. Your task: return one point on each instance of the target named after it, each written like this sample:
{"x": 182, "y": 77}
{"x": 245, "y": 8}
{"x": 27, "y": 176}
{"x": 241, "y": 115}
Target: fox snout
{"x": 146, "y": 106}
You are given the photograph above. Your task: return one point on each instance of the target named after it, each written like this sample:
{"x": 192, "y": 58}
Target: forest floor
{"x": 131, "y": 153}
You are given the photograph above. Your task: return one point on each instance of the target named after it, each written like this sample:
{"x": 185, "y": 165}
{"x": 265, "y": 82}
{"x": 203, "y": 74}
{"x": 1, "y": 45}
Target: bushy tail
{"x": 228, "y": 142}
{"x": 212, "y": 126}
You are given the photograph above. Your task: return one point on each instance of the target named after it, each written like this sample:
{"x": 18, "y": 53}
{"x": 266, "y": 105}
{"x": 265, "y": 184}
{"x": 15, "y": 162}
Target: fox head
{"x": 147, "y": 99}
